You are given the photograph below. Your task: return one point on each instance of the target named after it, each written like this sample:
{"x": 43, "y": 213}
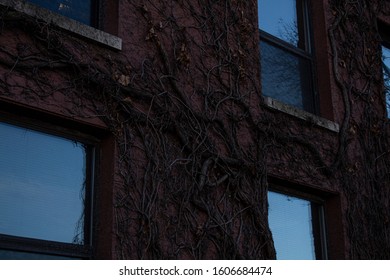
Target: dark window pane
{"x": 279, "y": 18}
{"x": 291, "y": 225}
{"x": 285, "y": 76}
{"x": 15, "y": 255}
{"x": 75, "y": 9}
{"x": 386, "y": 76}
{"x": 42, "y": 183}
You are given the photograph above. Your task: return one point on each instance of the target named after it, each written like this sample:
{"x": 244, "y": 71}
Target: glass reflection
{"x": 42, "y": 182}
{"x": 75, "y": 9}
{"x": 279, "y": 18}
{"x": 291, "y": 225}
{"x": 284, "y": 76}
{"x": 15, "y": 255}
{"x": 386, "y": 76}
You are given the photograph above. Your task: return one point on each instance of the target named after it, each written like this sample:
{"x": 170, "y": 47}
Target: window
{"x": 297, "y": 226}
{"x": 385, "y": 52}
{"x": 386, "y": 74}
{"x": 46, "y": 189}
{"x": 285, "y": 51}
{"x": 82, "y": 11}
{"x": 90, "y": 19}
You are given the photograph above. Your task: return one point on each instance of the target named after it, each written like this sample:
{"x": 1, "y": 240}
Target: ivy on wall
{"x": 195, "y": 143}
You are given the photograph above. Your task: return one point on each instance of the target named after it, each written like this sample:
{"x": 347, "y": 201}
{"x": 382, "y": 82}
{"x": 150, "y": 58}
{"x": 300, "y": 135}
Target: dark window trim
{"x": 290, "y": 190}
{"x": 59, "y": 130}
{"x": 277, "y": 42}
{"x": 319, "y": 230}
{"x": 52, "y": 123}
{"x": 304, "y": 23}
{"x": 29, "y": 119}
{"x": 386, "y": 43}
{"x": 37, "y": 246}
{"x": 89, "y": 202}
{"x": 384, "y": 32}
{"x": 95, "y": 14}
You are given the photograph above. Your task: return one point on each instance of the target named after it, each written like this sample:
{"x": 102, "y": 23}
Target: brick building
{"x": 203, "y": 129}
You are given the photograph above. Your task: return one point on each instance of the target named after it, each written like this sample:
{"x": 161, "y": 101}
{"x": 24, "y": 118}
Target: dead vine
{"x": 194, "y": 143}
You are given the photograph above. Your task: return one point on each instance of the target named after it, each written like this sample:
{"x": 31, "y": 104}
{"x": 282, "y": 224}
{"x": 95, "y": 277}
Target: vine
{"x": 364, "y": 137}
{"x": 195, "y": 142}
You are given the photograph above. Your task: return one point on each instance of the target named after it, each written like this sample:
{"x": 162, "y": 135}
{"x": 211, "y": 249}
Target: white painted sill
{"x": 64, "y": 23}
{"x": 298, "y": 113}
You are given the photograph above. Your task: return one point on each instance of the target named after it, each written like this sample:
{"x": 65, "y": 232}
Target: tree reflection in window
{"x": 284, "y": 76}
{"x": 279, "y": 18}
{"x": 285, "y": 52}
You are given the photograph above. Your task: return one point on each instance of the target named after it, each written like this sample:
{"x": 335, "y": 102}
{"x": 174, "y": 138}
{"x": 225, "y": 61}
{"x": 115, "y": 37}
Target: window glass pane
{"x": 75, "y": 9}
{"x": 285, "y": 76}
{"x": 386, "y": 76}
{"x": 279, "y": 18}
{"x": 15, "y": 255}
{"x": 291, "y": 225}
{"x": 42, "y": 184}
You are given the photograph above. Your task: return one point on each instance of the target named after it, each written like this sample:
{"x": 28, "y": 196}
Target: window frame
{"x": 385, "y": 42}
{"x": 303, "y": 50}
{"x": 55, "y": 248}
{"x": 95, "y": 13}
{"x": 319, "y": 225}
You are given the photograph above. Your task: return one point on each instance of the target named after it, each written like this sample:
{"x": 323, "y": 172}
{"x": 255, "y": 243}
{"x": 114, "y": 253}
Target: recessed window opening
{"x": 285, "y": 51}
{"x": 298, "y": 227}
{"x": 46, "y": 185}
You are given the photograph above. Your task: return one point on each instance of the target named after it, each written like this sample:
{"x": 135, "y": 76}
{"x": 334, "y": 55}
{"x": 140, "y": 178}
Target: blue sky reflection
{"x": 279, "y": 18}
{"x": 291, "y": 226}
{"x": 41, "y": 185}
{"x": 75, "y": 9}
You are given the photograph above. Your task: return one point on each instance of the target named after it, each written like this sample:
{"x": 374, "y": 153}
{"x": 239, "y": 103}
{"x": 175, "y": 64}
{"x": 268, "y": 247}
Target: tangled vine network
{"x": 194, "y": 141}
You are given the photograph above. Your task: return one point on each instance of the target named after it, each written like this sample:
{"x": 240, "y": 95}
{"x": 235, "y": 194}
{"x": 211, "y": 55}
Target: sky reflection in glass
{"x": 41, "y": 185}
{"x": 75, "y": 9}
{"x": 291, "y": 226}
{"x": 17, "y": 255}
{"x": 282, "y": 75}
{"x": 279, "y": 18}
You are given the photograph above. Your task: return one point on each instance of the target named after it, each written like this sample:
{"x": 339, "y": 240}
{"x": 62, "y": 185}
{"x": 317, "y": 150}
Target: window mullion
{"x": 284, "y": 45}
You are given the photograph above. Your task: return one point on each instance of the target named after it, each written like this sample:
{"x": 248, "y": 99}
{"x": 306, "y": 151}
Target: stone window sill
{"x": 298, "y": 113}
{"x": 64, "y": 23}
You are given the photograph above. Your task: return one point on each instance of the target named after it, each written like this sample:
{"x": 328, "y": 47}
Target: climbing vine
{"x": 365, "y": 134}
{"x": 195, "y": 143}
